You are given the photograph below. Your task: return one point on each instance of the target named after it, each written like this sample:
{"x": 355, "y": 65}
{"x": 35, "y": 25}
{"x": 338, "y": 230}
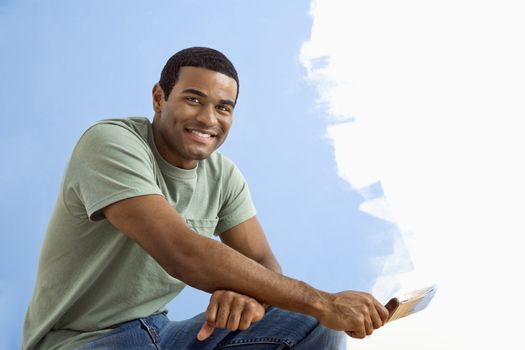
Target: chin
{"x": 199, "y": 155}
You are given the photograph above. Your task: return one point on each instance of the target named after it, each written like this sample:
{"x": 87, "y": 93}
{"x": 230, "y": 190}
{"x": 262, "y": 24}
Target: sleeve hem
{"x": 233, "y": 220}
{"x": 94, "y": 210}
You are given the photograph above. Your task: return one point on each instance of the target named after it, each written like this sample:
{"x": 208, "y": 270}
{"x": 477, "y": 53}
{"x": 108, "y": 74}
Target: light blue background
{"x": 66, "y": 64}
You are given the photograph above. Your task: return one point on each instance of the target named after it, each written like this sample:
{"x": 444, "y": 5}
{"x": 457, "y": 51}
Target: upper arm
{"x": 236, "y": 203}
{"x": 109, "y": 163}
{"x": 151, "y": 222}
{"x": 248, "y": 238}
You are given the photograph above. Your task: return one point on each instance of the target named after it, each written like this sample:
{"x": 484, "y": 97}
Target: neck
{"x": 164, "y": 151}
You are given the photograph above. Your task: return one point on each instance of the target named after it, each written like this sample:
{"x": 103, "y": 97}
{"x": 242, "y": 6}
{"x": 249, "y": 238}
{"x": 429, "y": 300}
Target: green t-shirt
{"x": 91, "y": 277}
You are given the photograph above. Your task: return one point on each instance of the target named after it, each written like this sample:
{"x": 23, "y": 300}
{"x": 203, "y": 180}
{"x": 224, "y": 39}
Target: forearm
{"x": 271, "y": 264}
{"x": 203, "y": 262}
{"x": 209, "y": 265}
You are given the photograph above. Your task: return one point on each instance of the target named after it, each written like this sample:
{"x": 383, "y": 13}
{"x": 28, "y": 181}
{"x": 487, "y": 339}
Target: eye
{"x": 193, "y": 100}
{"x": 224, "y": 108}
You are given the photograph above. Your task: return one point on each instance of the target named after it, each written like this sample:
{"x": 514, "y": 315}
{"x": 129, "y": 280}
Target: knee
{"x": 327, "y": 338}
{"x": 305, "y": 331}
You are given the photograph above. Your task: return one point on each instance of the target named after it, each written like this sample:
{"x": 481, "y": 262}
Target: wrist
{"x": 315, "y": 302}
{"x": 320, "y": 304}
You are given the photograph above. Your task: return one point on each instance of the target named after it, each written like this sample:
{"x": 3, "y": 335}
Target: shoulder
{"x": 122, "y": 140}
{"x": 128, "y": 128}
{"x": 115, "y": 133}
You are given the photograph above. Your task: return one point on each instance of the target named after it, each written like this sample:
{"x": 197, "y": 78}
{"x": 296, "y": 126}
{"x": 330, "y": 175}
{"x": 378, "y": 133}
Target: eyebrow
{"x": 202, "y": 94}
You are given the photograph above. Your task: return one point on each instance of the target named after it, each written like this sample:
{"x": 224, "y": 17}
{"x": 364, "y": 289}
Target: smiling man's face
{"x": 196, "y": 118}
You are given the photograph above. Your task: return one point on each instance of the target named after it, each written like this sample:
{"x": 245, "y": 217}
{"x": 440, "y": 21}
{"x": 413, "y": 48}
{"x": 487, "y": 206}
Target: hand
{"x": 356, "y": 313}
{"x": 230, "y": 310}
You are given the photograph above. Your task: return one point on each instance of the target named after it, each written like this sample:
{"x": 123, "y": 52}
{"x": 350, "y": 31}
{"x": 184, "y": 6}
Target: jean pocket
{"x": 204, "y": 227}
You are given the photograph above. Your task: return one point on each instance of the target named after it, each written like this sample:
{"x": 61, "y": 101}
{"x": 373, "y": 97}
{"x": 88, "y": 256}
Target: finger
{"x": 355, "y": 334}
{"x": 249, "y": 316}
{"x": 257, "y": 310}
{"x": 245, "y": 322}
{"x": 222, "y": 315}
{"x": 213, "y": 307}
{"x": 234, "y": 318}
{"x": 382, "y": 311}
{"x": 377, "y": 321}
{"x": 210, "y": 317}
{"x": 359, "y": 330}
{"x": 253, "y": 312}
{"x": 368, "y": 327}
{"x": 205, "y": 331}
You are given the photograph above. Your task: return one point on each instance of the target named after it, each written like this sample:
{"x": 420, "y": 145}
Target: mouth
{"x": 201, "y": 135}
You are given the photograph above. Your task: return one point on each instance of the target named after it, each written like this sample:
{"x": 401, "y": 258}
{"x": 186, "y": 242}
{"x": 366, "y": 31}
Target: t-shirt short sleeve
{"x": 237, "y": 205}
{"x": 109, "y": 163}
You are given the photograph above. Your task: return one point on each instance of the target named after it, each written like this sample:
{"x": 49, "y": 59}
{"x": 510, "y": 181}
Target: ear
{"x": 158, "y": 98}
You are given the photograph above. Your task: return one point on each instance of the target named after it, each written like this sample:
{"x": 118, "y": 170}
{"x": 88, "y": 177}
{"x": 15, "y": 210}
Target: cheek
{"x": 226, "y": 125}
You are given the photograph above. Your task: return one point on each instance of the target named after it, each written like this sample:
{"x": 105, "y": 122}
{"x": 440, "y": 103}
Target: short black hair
{"x": 203, "y": 57}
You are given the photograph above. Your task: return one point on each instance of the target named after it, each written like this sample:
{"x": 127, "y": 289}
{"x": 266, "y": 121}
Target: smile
{"x": 201, "y": 134}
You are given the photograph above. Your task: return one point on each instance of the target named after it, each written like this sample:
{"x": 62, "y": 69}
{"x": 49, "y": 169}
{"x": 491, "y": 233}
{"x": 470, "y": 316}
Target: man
{"x": 138, "y": 205}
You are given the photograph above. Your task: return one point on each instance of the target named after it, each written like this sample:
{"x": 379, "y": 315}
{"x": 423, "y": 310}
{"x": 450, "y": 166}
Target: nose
{"x": 207, "y": 116}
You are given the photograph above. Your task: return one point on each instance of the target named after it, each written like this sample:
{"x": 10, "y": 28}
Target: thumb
{"x": 205, "y": 331}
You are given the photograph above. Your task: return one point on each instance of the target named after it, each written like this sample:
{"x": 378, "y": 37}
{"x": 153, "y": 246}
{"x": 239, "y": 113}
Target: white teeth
{"x": 200, "y": 133}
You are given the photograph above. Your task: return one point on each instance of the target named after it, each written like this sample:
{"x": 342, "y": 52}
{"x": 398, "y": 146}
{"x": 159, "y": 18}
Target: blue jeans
{"x": 279, "y": 329}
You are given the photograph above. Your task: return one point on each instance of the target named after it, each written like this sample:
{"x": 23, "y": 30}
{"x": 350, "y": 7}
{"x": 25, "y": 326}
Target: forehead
{"x": 208, "y": 81}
